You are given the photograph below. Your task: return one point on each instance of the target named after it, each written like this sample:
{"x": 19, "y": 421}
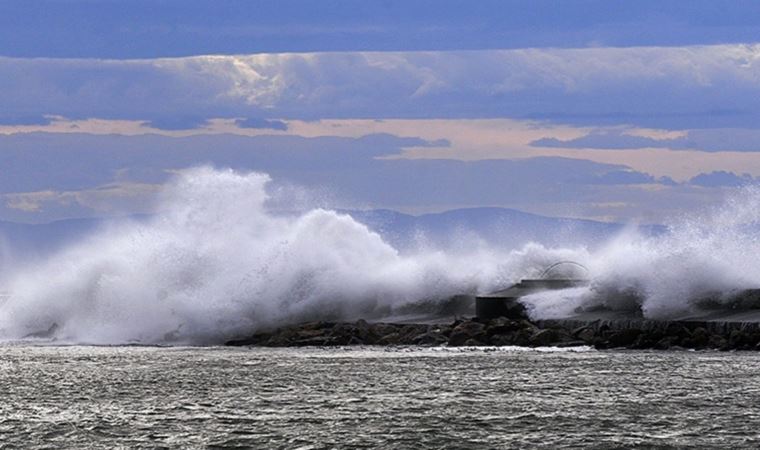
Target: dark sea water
{"x": 83, "y": 397}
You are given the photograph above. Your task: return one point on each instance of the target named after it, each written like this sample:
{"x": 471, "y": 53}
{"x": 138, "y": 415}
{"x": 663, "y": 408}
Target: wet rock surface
{"x": 502, "y": 331}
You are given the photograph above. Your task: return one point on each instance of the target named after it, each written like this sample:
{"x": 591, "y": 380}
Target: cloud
{"x": 29, "y": 201}
{"x": 613, "y": 140}
{"x": 708, "y": 140}
{"x": 178, "y": 123}
{"x": 259, "y": 123}
{"x": 93, "y": 160}
{"x": 621, "y": 177}
{"x": 665, "y": 87}
{"x": 720, "y": 178}
{"x": 105, "y": 199}
{"x": 145, "y": 29}
{"x": 116, "y": 174}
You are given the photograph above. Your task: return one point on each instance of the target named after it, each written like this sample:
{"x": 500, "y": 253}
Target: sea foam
{"x": 215, "y": 262}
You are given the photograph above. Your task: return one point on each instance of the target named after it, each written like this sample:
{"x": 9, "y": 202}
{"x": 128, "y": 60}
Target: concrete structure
{"x": 504, "y": 303}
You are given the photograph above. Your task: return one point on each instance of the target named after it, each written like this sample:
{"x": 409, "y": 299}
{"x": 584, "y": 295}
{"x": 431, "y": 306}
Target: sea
{"x": 375, "y": 397}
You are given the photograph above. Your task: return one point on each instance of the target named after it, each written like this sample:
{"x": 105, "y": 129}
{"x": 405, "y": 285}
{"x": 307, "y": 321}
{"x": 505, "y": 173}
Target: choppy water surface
{"x": 352, "y": 398}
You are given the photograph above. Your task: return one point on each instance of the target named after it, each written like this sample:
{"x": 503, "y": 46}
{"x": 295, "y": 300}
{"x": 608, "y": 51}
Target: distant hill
{"x": 37, "y": 239}
{"x": 502, "y": 227}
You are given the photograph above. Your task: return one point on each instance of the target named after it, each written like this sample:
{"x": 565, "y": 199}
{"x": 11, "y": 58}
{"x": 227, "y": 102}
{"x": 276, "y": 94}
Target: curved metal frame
{"x": 548, "y": 269}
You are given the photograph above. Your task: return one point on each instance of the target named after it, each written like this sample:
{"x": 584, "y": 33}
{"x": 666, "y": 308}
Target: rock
{"x": 355, "y": 341}
{"x": 364, "y": 331}
{"x": 753, "y": 338}
{"x": 390, "y": 339}
{"x": 465, "y": 331}
{"x": 430, "y": 338}
{"x": 543, "y": 338}
{"x": 320, "y": 325}
{"x": 310, "y": 333}
{"x": 623, "y": 338}
{"x": 718, "y": 341}
{"x": 383, "y": 329}
{"x": 316, "y": 341}
{"x": 585, "y": 334}
{"x": 408, "y": 332}
{"x": 500, "y": 339}
{"x": 564, "y": 336}
{"x": 526, "y": 325}
{"x": 700, "y": 338}
{"x": 256, "y": 339}
{"x": 444, "y": 330}
{"x": 666, "y": 343}
{"x": 473, "y": 343}
{"x": 342, "y": 333}
{"x": 501, "y": 325}
{"x": 678, "y": 331}
{"x": 737, "y": 338}
{"x": 279, "y": 340}
{"x": 522, "y": 337}
{"x": 647, "y": 339}
{"x": 499, "y": 331}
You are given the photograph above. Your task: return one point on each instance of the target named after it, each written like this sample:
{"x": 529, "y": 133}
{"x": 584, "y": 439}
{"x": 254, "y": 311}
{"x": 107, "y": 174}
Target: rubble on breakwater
{"x": 501, "y": 331}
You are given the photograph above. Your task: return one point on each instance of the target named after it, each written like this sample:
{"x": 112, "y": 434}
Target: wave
{"x": 215, "y": 262}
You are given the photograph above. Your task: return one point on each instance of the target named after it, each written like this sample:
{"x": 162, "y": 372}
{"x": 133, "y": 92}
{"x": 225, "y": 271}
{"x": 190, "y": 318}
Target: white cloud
{"x": 108, "y": 199}
{"x": 600, "y": 82}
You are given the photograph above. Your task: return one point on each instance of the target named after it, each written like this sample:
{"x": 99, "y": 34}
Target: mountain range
{"x": 458, "y": 228}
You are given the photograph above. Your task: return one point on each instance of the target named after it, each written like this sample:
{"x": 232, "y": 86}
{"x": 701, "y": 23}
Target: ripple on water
{"x": 374, "y": 397}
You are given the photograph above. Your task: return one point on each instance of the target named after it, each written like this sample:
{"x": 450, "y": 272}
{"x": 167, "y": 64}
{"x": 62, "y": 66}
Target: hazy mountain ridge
{"x": 500, "y": 227}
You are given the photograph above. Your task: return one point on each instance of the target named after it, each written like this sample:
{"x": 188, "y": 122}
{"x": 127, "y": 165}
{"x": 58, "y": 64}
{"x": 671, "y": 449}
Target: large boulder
{"x": 647, "y": 339}
{"x": 700, "y": 338}
{"x": 667, "y": 343}
{"x": 347, "y": 334}
{"x": 500, "y": 339}
{"x": 318, "y": 325}
{"x": 316, "y": 341}
{"x": 390, "y": 339}
{"x": 585, "y": 334}
{"x": 544, "y": 338}
{"x": 410, "y": 331}
{"x": 383, "y": 329}
{"x": 718, "y": 341}
{"x": 623, "y": 338}
{"x": 522, "y": 337}
{"x": 738, "y": 339}
{"x": 430, "y": 339}
{"x": 467, "y": 330}
{"x": 501, "y": 325}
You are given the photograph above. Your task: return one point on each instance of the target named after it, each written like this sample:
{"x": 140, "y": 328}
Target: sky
{"x": 616, "y": 111}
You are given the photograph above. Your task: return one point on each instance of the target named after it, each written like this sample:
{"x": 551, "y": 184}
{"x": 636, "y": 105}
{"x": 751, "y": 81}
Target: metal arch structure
{"x": 505, "y": 302}
{"x": 559, "y": 263}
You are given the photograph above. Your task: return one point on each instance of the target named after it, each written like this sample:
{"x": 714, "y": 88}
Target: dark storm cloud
{"x": 152, "y": 28}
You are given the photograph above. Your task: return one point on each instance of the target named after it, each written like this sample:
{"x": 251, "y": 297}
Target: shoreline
{"x": 501, "y": 331}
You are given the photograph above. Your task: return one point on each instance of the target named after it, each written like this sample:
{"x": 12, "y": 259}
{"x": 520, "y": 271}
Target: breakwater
{"x": 501, "y": 331}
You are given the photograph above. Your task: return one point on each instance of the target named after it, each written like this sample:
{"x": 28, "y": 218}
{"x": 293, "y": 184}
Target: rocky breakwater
{"x": 503, "y": 332}
{"x": 467, "y": 332}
